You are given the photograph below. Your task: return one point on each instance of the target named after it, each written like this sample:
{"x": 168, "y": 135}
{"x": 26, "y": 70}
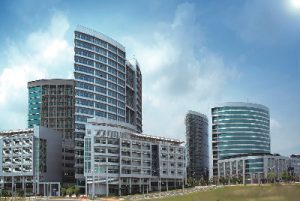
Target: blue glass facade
{"x": 34, "y": 106}
{"x": 239, "y": 128}
{"x": 106, "y": 86}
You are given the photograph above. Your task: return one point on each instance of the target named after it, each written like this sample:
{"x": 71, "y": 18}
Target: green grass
{"x": 289, "y": 192}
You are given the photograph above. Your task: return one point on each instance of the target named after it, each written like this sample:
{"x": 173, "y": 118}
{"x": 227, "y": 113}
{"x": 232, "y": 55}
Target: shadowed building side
{"x": 197, "y": 145}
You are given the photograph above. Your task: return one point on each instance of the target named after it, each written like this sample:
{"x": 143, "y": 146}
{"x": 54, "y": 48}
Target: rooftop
{"x": 99, "y": 35}
{"x": 241, "y": 104}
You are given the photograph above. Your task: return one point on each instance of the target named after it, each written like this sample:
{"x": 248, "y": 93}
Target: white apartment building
{"x": 119, "y": 161}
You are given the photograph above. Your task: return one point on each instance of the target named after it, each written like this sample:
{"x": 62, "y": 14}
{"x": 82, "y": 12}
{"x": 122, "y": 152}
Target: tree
{"x": 21, "y": 193}
{"x": 271, "y": 176}
{"x": 191, "y": 181}
{"x": 76, "y": 191}
{"x": 63, "y": 191}
{"x": 284, "y": 175}
{"x": 69, "y": 191}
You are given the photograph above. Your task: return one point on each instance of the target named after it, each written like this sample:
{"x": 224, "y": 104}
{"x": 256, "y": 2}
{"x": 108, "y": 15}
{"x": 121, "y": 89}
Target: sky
{"x": 193, "y": 54}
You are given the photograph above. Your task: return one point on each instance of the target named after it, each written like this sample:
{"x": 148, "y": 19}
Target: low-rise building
{"x": 255, "y": 168}
{"x": 30, "y": 160}
{"x": 119, "y": 161}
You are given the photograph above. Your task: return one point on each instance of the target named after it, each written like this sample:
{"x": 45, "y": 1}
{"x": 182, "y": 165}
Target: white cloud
{"x": 274, "y": 124}
{"x": 179, "y": 73}
{"x": 44, "y": 53}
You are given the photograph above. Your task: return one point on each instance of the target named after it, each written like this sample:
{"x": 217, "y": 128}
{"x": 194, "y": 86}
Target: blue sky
{"x": 193, "y": 54}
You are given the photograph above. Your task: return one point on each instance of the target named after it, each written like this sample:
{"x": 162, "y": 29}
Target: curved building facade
{"x": 239, "y": 129}
{"x": 197, "y": 145}
{"x": 106, "y": 85}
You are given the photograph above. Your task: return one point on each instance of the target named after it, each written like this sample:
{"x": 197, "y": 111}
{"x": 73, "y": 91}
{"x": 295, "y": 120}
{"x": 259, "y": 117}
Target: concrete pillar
{"x": 130, "y": 185}
{"x": 86, "y": 192}
{"x": 237, "y": 169}
{"x": 33, "y": 186}
{"x": 140, "y": 185}
{"x": 230, "y": 172}
{"x": 120, "y": 186}
{"x": 218, "y": 164}
{"x": 167, "y": 185}
{"x": 107, "y": 187}
{"x": 12, "y": 186}
{"x": 38, "y": 187}
{"x": 58, "y": 189}
{"x": 23, "y": 183}
{"x": 50, "y": 189}
{"x": 45, "y": 190}
{"x": 244, "y": 172}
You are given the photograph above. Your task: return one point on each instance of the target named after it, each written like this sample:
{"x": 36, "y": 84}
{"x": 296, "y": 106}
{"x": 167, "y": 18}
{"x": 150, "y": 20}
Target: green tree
{"x": 271, "y": 177}
{"x": 63, "y": 191}
{"x": 70, "y": 191}
{"x": 21, "y": 193}
{"x": 191, "y": 181}
{"x": 76, "y": 191}
{"x": 284, "y": 175}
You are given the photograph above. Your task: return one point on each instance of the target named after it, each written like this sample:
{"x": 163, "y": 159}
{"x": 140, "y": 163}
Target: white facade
{"x": 120, "y": 161}
{"x": 255, "y": 168}
{"x": 29, "y": 159}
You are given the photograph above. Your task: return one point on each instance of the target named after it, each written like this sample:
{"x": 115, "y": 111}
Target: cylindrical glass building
{"x": 239, "y": 129}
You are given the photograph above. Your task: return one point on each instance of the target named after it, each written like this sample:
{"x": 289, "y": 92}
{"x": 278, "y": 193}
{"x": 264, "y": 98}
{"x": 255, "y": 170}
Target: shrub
{"x": 76, "y": 191}
{"x": 63, "y": 191}
{"x": 70, "y": 191}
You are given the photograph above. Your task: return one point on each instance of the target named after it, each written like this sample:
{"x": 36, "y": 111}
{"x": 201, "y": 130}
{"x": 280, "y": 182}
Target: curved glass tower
{"x": 239, "y": 129}
{"x": 106, "y": 86}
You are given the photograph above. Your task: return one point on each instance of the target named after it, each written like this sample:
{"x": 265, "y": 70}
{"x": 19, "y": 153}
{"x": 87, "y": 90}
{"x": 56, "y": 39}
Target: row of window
{"x": 99, "y": 50}
{"x": 92, "y": 79}
{"x": 100, "y": 43}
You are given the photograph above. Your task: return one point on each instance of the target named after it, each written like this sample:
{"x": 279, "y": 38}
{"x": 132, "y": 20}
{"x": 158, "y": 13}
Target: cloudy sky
{"x": 193, "y": 54}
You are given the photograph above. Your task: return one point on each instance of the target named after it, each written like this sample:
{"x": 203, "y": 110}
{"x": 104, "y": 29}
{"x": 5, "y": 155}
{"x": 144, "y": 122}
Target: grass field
{"x": 288, "y": 192}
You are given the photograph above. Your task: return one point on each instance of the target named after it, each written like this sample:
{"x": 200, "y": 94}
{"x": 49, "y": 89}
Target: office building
{"x": 120, "y": 161}
{"x": 254, "y": 168}
{"x": 51, "y": 103}
{"x": 29, "y": 160}
{"x": 295, "y": 164}
{"x": 239, "y": 128}
{"x": 197, "y": 145}
{"x": 107, "y": 86}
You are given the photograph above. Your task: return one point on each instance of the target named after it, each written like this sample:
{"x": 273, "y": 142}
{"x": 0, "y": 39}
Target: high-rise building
{"x": 238, "y": 129}
{"x": 197, "y": 145}
{"x": 107, "y": 86}
{"x": 51, "y": 104}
